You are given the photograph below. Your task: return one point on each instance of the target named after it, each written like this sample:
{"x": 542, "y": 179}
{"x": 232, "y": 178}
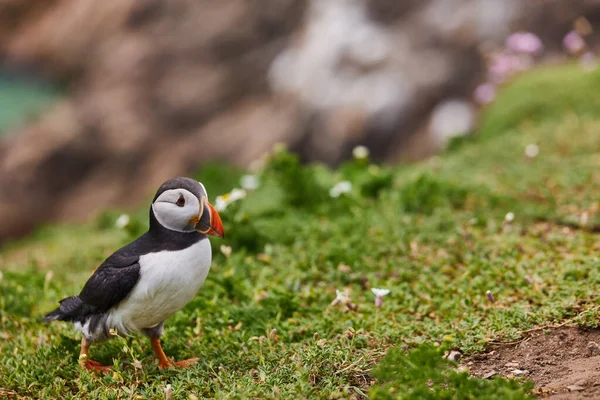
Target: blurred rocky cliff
{"x": 155, "y": 88}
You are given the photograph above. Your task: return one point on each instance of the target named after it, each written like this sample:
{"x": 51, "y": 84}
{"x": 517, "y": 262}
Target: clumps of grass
{"x": 278, "y": 306}
{"x": 298, "y": 193}
{"x": 427, "y": 193}
{"x": 371, "y": 180}
{"x": 299, "y": 184}
{"x": 247, "y": 235}
{"x": 423, "y": 373}
{"x": 20, "y": 293}
{"x": 375, "y": 181}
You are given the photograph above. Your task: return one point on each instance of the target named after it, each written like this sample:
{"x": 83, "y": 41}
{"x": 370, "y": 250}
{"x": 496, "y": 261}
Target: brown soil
{"x": 563, "y": 363}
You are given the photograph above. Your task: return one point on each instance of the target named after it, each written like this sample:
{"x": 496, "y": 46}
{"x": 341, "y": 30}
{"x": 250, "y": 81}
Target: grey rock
{"x": 490, "y": 374}
{"x": 217, "y": 80}
{"x": 454, "y": 355}
{"x": 518, "y": 372}
{"x": 593, "y": 349}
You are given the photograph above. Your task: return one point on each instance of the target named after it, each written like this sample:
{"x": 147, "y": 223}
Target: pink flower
{"x": 485, "y": 93}
{"x": 500, "y": 68}
{"x": 504, "y": 65}
{"x": 524, "y": 42}
{"x": 573, "y": 42}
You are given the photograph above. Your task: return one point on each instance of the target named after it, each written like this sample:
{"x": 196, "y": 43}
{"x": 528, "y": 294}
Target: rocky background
{"x": 153, "y": 89}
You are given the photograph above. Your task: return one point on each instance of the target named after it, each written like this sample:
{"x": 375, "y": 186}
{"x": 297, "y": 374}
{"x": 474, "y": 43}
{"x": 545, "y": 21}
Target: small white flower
{"x": 168, "y": 392}
{"x": 122, "y": 221}
{"x": 249, "y": 182}
{"x": 223, "y": 201}
{"x": 379, "y": 293}
{"x": 340, "y": 296}
{"x": 360, "y": 152}
{"x": 532, "y": 150}
{"x": 343, "y": 297}
{"x": 340, "y": 188}
{"x": 237, "y": 194}
{"x": 509, "y": 217}
{"x": 226, "y": 250}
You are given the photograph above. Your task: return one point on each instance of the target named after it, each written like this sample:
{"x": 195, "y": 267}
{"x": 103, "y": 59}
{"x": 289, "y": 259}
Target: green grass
{"x": 433, "y": 233}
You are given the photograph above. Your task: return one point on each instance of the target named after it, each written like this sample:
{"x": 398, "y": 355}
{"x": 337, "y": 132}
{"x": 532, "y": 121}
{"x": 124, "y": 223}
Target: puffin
{"x": 148, "y": 280}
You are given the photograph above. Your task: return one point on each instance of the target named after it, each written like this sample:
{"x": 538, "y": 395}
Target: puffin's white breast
{"x": 168, "y": 281}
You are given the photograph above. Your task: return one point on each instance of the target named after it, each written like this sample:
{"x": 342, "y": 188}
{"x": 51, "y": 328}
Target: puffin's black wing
{"x": 108, "y": 286}
{"x": 116, "y": 277}
{"x": 111, "y": 283}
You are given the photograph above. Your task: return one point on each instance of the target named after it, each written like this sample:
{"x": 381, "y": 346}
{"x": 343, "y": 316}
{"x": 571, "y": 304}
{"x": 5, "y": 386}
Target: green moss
{"x": 426, "y": 193}
{"x": 423, "y": 373}
{"x": 434, "y": 233}
{"x": 545, "y": 95}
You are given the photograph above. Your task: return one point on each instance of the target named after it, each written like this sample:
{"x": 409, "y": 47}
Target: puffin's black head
{"x": 181, "y": 205}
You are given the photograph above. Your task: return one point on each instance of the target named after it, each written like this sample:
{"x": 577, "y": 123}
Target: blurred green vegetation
{"x": 437, "y": 234}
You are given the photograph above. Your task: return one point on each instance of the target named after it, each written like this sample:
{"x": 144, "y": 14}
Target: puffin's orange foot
{"x": 163, "y": 361}
{"x": 186, "y": 363}
{"x": 92, "y": 365}
{"x": 178, "y": 364}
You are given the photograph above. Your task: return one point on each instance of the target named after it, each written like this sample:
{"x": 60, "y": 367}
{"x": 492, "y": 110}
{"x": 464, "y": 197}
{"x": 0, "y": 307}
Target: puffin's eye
{"x": 180, "y": 201}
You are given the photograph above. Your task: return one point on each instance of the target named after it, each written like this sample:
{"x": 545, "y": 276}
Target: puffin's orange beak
{"x": 210, "y": 222}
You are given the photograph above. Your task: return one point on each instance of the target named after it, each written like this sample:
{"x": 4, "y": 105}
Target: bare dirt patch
{"x": 564, "y": 363}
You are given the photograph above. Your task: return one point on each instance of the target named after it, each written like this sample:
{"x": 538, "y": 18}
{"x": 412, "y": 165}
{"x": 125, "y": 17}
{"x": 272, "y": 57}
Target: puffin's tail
{"x": 67, "y": 311}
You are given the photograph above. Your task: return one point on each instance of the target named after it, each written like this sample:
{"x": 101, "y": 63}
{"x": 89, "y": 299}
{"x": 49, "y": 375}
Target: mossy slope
{"x": 434, "y": 233}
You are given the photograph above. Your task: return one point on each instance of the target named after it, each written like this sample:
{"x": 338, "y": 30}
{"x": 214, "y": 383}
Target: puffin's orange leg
{"x": 163, "y": 361}
{"x": 186, "y": 363}
{"x": 88, "y": 364}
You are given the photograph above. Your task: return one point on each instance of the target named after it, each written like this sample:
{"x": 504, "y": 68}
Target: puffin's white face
{"x": 181, "y": 205}
{"x": 178, "y": 210}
